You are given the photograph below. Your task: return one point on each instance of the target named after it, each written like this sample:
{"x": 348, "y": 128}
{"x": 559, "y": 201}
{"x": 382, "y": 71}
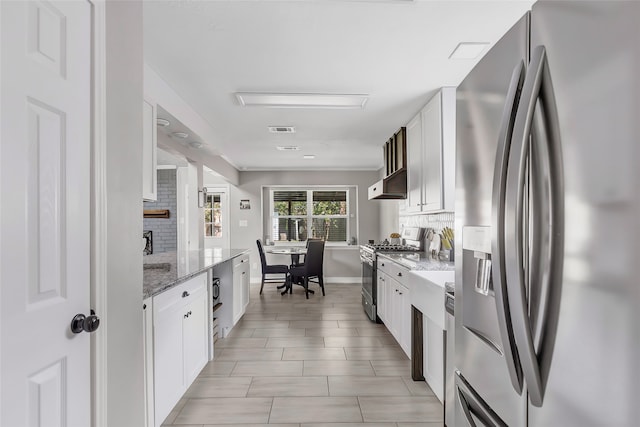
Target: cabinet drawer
{"x": 180, "y": 295}
{"x": 393, "y": 270}
{"x": 241, "y": 260}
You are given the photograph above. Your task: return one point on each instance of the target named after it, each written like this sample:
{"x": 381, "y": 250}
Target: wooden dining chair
{"x": 274, "y": 269}
{"x": 311, "y": 270}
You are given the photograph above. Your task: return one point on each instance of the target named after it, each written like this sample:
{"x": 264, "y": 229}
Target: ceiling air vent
{"x": 288, "y": 147}
{"x": 282, "y": 129}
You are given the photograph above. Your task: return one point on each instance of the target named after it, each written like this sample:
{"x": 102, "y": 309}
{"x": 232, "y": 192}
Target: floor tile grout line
{"x": 270, "y": 410}
{"x": 360, "y": 407}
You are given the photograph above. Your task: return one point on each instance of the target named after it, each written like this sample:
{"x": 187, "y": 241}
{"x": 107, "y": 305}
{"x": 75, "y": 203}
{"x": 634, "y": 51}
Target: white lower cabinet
{"x": 396, "y": 301}
{"x": 241, "y": 279}
{"x": 147, "y": 337}
{"x": 433, "y": 356}
{"x": 381, "y": 296}
{"x": 180, "y": 345}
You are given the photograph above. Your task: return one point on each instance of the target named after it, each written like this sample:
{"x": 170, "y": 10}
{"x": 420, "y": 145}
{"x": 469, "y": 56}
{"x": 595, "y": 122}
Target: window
{"x": 213, "y": 216}
{"x": 297, "y": 215}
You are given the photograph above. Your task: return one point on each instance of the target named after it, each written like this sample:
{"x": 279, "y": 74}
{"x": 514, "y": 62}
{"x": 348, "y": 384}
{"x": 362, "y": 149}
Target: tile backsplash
{"x": 436, "y": 221}
{"x": 165, "y": 230}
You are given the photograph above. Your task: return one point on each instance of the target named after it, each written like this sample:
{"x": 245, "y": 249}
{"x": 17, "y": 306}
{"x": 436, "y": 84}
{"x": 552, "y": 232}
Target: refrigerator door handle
{"x": 497, "y": 239}
{"x": 475, "y": 410}
{"x": 537, "y": 87}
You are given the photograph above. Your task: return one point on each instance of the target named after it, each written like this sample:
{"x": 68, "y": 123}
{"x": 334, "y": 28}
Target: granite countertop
{"x": 418, "y": 261}
{"x": 164, "y": 270}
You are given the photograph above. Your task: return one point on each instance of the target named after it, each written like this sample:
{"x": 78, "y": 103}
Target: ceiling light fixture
{"x": 309, "y": 156}
{"x": 301, "y": 100}
{"x": 181, "y": 135}
{"x": 162, "y": 122}
{"x": 195, "y": 144}
{"x": 468, "y": 50}
{"x": 288, "y": 148}
{"x": 282, "y": 129}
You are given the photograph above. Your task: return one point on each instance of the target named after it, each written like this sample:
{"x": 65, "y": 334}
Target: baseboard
{"x": 354, "y": 280}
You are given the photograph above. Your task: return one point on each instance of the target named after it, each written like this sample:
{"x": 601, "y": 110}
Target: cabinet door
{"x": 381, "y": 296}
{"x": 168, "y": 360}
{"x": 432, "y": 144}
{"x": 194, "y": 336}
{"x": 237, "y": 290}
{"x": 147, "y": 337}
{"x": 149, "y": 153}
{"x": 414, "y": 158}
{"x": 245, "y": 284}
{"x": 392, "y": 307}
{"x": 433, "y": 357}
{"x": 404, "y": 319}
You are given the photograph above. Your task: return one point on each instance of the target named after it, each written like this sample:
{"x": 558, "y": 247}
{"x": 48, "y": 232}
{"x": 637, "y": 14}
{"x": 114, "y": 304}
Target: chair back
{"x": 311, "y": 239}
{"x": 263, "y": 258}
{"x": 314, "y": 258}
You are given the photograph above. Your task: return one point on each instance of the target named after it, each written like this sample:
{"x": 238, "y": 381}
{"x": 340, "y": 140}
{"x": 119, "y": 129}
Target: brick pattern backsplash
{"x": 437, "y": 221}
{"x": 165, "y": 230}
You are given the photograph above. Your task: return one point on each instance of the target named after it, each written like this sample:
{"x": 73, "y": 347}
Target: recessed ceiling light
{"x": 288, "y": 148}
{"x": 181, "y": 135}
{"x": 282, "y": 129}
{"x": 468, "y": 50}
{"x": 195, "y": 144}
{"x": 302, "y": 100}
{"x": 309, "y": 156}
{"x": 162, "y": 122}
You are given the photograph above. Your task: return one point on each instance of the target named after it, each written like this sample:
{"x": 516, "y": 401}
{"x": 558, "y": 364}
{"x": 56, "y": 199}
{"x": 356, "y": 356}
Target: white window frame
{"x": 309, "y": 216}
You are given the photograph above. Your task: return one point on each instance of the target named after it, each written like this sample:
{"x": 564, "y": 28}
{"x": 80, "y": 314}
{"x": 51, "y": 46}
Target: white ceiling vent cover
{"x": 282, "y": 129}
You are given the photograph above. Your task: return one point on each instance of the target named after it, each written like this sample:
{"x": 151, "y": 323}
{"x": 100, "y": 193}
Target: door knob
{"x": 80, "y": 323}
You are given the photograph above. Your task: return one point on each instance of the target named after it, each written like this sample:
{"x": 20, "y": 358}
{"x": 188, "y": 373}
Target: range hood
{"x": 393, "y": 186}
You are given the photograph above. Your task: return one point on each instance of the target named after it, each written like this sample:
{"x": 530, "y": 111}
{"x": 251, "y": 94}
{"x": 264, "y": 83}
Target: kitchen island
{"x": 180, "y": 318}
{"x": 165, "y": 270}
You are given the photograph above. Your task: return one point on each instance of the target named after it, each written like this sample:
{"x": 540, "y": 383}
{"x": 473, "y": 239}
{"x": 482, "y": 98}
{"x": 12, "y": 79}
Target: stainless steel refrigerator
{"x": 548, "y": 213}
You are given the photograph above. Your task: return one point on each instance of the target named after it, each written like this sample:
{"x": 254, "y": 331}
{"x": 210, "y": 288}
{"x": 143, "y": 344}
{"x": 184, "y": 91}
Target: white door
{"x": 216, "y": 219}
{"x": 45, "y": 121}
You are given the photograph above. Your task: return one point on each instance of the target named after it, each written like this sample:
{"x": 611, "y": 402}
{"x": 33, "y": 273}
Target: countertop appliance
{"x": 413, "y": 241}
{"x": 546, "y": 163}
{"x": 449, "y": 363}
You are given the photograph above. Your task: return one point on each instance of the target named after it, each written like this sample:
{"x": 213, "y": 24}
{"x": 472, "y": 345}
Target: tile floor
{"x": 292, "y": 362}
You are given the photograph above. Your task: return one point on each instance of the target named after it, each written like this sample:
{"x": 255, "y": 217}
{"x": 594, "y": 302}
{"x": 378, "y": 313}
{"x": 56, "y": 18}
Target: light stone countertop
{"x": 420, "y": 261}
{"x": 165, "y": 270}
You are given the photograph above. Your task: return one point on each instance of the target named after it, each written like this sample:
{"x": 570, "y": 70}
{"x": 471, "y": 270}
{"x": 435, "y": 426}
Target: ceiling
{"x": 396, "y": 51}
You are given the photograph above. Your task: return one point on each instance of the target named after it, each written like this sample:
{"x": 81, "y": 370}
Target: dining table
{"x": 294, "y": 252}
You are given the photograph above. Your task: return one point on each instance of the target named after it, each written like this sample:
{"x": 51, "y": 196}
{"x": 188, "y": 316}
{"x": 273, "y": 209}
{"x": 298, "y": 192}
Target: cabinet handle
{"x": 185, "y": 294}
{"x": 400, "y": 293}
{"x": 383, "y": 264}
{"x": 400, "y": 274}
{"x": 144, "y": 306}
{"x": 186, "y": 315}
{"x": 244, "y": 272}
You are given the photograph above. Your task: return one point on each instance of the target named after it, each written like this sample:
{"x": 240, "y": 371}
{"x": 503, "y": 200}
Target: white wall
{"x": 340, "y": 263}
{"x": 122, "y": 321}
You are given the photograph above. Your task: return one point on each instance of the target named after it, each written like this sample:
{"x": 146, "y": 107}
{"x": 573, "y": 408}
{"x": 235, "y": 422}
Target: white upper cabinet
{"x": 431, "y": 155}
{"x": 149, "y": 151}
{"x": 415, "y": 161}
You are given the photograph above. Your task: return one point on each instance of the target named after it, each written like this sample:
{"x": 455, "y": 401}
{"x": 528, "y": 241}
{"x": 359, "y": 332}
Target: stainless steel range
{"x": 413, "y": 241}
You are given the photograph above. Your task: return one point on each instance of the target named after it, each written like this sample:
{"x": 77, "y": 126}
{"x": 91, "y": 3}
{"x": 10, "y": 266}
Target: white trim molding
{"x": 99, "y": 237}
